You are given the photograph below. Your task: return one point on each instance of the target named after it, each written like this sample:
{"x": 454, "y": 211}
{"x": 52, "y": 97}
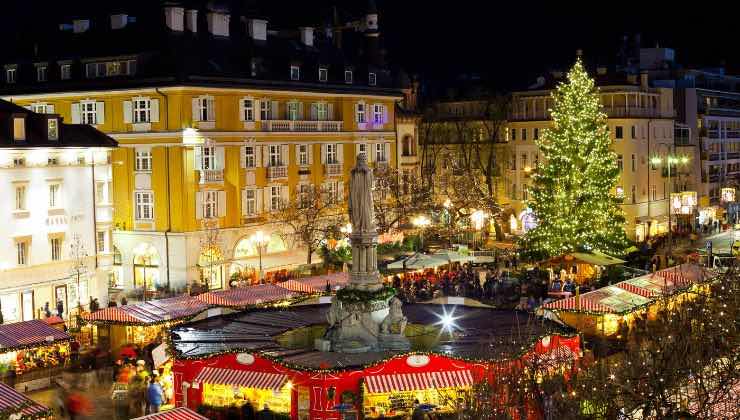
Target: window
{"x": 536, "y": 134}
{"x": 250, "y": 202}
{"x": 250, "y": 158}
{"x": 524, "y": 134}
{"x": 20, "y": 198}
{"x": 56, "y": 249}
{"x": 52, "y": 160}
{"x": 206, "y": 109}
{"x": 143, "y": 161}
{"x": 113, "y": 68}
{"x": 142, "y": 110}
{"x": 322, "y": 111}
{"x": 380, "y": 152}
{"x": 52, "y": 129}
{"x": 620, "y": 164}
{"x": 331, "y": 153}
{"x": 619, "y": 132}
{"x": 54, "y": 196}
{"x": 10, "y": 75}
{"x": 65, "y": 71}
{"x": 304, "y": 194}
{"x": 210, "y": 204}
{"x": 209, "y": 158}
{"x": 303, "y": 155}
{"x": 88, "y": 112}
{"x": 275, "y": 198}
{"x": 101, "y": 192}
{"x": 323, "y": 74}
{"x": 372, "y": 79}
{"x": 248, "y": 106}
{"x": 634, "y": 194}
{"x": 348, "y": 76}
{"x": 360, "y": 112}
{"x": 378, "y": 112}
{"x": 633, "y": 134}
{"x": 524, "y": 161}
{"x": 144, "y": 205}
{"x": 41, "y": 73}
{"x": 100, "y": 241}
{"x": 274, "y": 155}
{"x": 332, "y": 192}
{"x": 293, "y": 113}
{"x": 265, "y": 107}
{"x": 295, "y": 73}
{"x": 19, "y": 129}
{"x": 39, "y": 108}
{"x": 21, "y": 249}
{"x": 19, "y": 162}
{"x": 654, "y": 192}
{"x": 633, "y": 162}
{"x": 363, "y": 149}
{"x": 513, "y": 134}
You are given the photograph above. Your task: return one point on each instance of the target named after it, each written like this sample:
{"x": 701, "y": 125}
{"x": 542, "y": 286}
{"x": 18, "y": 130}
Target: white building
{"x": 55, "y": 182}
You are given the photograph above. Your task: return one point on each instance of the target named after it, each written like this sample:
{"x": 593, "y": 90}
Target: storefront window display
{"x": 146, "y": 267}
{"x": 402, "y": 403}
{"x": 217, "y": 395}
{"x": 143, "y": 335}
{"x": 10, "y": 309}
{"x": 211, "y": 266}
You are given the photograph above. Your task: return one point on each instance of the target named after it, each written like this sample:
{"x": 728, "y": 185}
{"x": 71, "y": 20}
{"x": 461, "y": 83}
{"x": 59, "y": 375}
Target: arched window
{"x": 210, "y": 262}
{"x": 146, "y": 267}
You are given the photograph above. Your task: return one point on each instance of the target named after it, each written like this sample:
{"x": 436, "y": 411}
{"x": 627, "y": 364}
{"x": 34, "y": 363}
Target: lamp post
{"x": 477, "y": 217}
{"x": 421, "y": 222}
{"x": 260, "y": 241}
{"x": 670, "y": 160}
{"x": 448, "y": 208}
{"x": 78, "y": 255}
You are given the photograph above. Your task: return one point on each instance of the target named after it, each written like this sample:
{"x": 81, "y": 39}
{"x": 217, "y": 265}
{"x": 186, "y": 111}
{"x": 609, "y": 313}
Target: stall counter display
{"x": 218, "y": 395}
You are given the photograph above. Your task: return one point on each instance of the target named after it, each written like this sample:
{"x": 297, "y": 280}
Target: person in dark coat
{"x": 60, "y": 308}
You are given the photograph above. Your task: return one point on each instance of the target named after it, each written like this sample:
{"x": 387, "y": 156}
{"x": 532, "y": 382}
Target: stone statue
{"x": 361, "y": 212}
{"x": 395, "y": 322}
{"x": 334, "y": 316}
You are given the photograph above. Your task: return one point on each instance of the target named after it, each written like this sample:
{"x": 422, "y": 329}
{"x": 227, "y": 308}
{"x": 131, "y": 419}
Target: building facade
{"x": 57, "y": 213}
{"x": 213, "y": 143}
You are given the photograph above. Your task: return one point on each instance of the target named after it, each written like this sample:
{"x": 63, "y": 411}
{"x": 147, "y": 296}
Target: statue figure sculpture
{"x": 395, "y": 322}
{"x": 361, "y": 211}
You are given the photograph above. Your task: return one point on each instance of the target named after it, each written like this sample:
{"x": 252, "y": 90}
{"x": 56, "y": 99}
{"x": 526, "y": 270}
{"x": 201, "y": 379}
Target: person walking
{"x": 155, "y": 395}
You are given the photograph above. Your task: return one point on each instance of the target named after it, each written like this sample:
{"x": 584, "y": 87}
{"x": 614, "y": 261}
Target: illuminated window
{"x": 52, "y": 126}
{"x": 143, "y": 161}
{"x": 210, "y": 204}
{"x": 89, "y": 112}
{"x": 54, "y": 196}
{"x": 142, "y": 110}
{"x": 323, "y": 74}
{"x": 144, "y": 205}
{"x": 360, "y": 112}
{"x": 295, "y": 73}
{"x": 378, "y": 111}
{"x": 19, "y": 129}
{"x": 56, "y": 249}
{"x": 248, "y": 107}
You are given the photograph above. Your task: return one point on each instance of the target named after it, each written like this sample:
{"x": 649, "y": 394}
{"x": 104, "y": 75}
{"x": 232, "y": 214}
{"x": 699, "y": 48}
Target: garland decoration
{"x": 350, "y": 296}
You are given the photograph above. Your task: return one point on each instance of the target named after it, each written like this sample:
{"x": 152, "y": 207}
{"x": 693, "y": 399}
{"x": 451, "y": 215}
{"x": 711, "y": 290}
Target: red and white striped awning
{"x": 151, "y": 312}
{"x": 180, "y": 413}
{"x": 11, "y": 402}
{"x": 29, "y": 333}
{"x": 242, "y": 378}
{"x": 296, "y": 286}
{"x": 246, "y": 296}
{"x": 379, "y": 384}
{"x": 636, "y": 289}
{"x": 673, "y": 278}
{"x": 585, "y": 305}
{"x": 318, "y": 283}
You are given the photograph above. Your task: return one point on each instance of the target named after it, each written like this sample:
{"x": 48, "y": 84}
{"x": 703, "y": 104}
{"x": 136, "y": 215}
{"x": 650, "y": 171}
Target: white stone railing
{"x": 208, "y": 176}
{"x": 301, "y": 125}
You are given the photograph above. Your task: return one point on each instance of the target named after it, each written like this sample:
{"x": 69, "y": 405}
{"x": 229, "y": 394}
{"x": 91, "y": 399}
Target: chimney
{"x": 218, "y": 23}
{"x": 118, "y": 21}
{"x": 80, "y": 25}
{"x": 644, "y": 79}
{"x": 191, "y": 20}
{"x": 257, "y": 29}
{"x": 306, "y": 35}
{"x": 174, "y": 18}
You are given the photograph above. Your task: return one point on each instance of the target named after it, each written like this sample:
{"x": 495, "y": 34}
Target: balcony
{"x": 211, "y": 176}
{"x": 627, "y": 112}
{"x": 333, "y": 169}
{"x": 381, "y": 165}
{"x": 277, "y": 172}
{"x": 728, "y": 134}
{"x": 301, "y": 126}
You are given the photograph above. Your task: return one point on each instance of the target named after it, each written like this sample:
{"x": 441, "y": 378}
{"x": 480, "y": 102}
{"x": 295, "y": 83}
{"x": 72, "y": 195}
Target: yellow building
{"x": 221, "y": 153}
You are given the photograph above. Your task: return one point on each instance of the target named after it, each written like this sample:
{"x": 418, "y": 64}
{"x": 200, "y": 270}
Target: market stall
{"x": 316, "y": 284}
{"x": 31, "y": 353}
{"x": 141, "y": 324}
{"x": 247, "y": 297}
{"x": 266, "y": 358}
{"x": 580, "y": 267}
{"x": 180, "y": 413}
{"x": 14, "y": 405}
{"x": 604, "y": 311}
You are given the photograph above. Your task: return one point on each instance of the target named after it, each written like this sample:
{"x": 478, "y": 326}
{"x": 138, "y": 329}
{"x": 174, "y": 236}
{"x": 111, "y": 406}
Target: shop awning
{"x": 316, "y": 284}
{"x": 13, "y": 402}
{"x": 597, "y": 258}
{"x": 241, "y": 378}
{"x": 453, "y": 256}
{"x": 418, "y": 262}
{"x": 26, "y": 334}
{"x": 180, "y": 413}
{"x": 151, "y": 312}
{"x": 378, "y": 384}
{"x": 246, "y": 296}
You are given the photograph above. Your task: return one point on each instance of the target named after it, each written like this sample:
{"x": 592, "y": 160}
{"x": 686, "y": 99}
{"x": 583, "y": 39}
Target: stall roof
{"x": 627, "y": 295}
{"x": 241, "y": 297}
{"x": 180, "y": 413}
{"x": 418, "y": 261}
{"x": 35, "y": 333}
{"x": 482, "y": 334}
{"x": 151, "y": 312}
{"x": 316, "y": 284}
{"x": 12, "y": 402}
{"x": 597, "y": 258}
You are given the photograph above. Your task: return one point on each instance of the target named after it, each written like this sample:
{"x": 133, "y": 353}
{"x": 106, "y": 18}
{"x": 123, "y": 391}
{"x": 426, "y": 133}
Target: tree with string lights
{"x": 573, "y": 193}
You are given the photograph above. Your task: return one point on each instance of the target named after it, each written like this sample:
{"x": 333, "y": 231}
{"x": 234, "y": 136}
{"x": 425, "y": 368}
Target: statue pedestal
{"x": 395, "y": 342}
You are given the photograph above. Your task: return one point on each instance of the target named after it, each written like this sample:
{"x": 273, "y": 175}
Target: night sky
{"x": 507, "y": 43}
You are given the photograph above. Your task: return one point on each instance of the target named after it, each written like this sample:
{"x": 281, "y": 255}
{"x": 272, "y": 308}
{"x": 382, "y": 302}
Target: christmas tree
{"x": 573, "y": 194}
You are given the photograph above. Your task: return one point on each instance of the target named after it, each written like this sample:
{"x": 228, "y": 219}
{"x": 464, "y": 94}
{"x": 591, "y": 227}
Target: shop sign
{"x": 244, "y": 358}
{"x": 417, "y": 360}
{"x": 159, "y": 355}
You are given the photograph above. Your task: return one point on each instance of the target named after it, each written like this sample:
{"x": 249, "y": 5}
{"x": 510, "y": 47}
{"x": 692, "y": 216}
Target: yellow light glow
{"x": 448, "y": 203}
{"x": 478, "y": 217}
{"x": 513, "y": 224}
{"x": 259, "y": 238}
{"x": 38, "y": 157}
{"x": 421, "y": 221}
{"x": 190, "y": 136}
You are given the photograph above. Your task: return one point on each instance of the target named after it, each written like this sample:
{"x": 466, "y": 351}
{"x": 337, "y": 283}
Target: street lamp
{"x": 79, "y": 255}
{"x": 478, "y": 217}
{"x": 346, "y": 229}
{"x": 421, "y": 222}
{"x": 671, "y": 160}
{"x": 260, "y": 241}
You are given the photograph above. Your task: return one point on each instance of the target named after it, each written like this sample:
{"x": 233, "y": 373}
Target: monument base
{"x": 395, "y": 342}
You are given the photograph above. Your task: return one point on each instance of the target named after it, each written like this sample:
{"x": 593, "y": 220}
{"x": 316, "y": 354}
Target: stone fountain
{"x": 365, "y": 315}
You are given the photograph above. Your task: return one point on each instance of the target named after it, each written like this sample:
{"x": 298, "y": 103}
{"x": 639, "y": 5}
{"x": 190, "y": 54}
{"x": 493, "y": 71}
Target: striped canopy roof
{"x": 29, "y": 334}
{"x": 242, "y": 378}
{"x": 152, "y": 312}
{"x": 629, "y": 294}
{"x": 379, "y": 384}
{"x": 12, "y": 401}
{"x": 316, "y": 284}
{"x": 180, "y": 413}
{"x": 240, "y": 297}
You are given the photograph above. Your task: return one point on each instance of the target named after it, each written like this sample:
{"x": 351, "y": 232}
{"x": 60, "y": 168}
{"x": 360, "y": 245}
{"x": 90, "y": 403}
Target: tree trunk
{"x": 309, "y": 255}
